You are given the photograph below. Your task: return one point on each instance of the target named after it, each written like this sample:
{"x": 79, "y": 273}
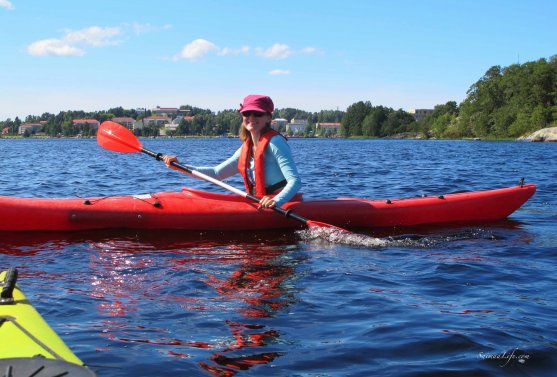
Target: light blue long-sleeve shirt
{"x": 279, "y": 166}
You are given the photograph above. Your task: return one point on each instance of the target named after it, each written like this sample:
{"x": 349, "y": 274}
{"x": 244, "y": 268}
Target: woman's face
{"x": 255, "y": 121}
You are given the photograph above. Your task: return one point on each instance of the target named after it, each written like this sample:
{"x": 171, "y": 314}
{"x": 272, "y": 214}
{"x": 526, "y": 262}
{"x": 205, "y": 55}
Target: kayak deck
{"x": 199, "y": 210}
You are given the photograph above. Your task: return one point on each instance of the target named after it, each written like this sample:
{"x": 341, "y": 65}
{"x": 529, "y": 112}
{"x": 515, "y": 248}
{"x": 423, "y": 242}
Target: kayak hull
{"x": 199, "y": 210}
{"x": 33, "y": 344}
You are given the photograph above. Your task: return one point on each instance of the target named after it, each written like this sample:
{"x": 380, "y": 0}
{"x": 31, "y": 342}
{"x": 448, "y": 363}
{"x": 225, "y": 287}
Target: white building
{"x": 165, "y": 111}
{"x": 296, "y": 126}
{"x": 325, "y": 129}
{"x": 277, "y": 123}
{"x": 31, "y": 127}
{"x": 420, "y": 114}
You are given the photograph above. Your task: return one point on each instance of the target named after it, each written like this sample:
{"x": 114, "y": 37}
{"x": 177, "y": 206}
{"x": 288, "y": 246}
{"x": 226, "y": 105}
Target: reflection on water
{"x": 259, "y": 282}
{"x": 135, "y": 276}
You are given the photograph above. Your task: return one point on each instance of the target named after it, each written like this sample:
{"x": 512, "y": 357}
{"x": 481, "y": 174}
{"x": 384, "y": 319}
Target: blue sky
{"x": 313, "y": 55}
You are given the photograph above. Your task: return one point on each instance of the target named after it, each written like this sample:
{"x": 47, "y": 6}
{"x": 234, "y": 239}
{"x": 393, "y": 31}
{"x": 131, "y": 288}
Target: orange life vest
{"x": 244, "y": 162}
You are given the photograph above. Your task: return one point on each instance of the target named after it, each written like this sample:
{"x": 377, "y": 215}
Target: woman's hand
{"x": 168, "y": 160}
{"x": 266, "y": 202}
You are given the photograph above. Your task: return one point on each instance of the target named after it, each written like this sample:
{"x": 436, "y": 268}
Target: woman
{"x": 264, "y": 160}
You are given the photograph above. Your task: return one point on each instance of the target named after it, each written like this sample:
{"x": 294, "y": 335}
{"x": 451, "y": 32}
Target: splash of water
{"x": 332, "y": 235}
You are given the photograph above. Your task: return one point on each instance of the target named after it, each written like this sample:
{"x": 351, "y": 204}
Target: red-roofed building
{"x": 181, "y": 118}
{"x": 124, "y": 121}
{"x": 156, "y": 120}
{"x": 173, "y": 126}
{"x": 93, "y": 123}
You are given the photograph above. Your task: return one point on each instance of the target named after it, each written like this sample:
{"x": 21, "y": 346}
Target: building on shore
{"x": 420, "y": 114}
{"x": 165, "y": 111}
{"x": 31, "y": 128}
{"x": 172, "y": 126}
{"x": 279, "y": 124}
{"x": 296, "y": 126}
{"x": 93, "y": 123}
{"x": 154, "y": 120}
{"x": 171, "y": 112}
{"x": 327, "y": 129}
{"x": 124, "y": 121}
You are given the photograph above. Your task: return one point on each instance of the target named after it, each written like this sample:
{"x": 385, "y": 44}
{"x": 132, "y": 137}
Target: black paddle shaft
{"x": 286, "y": 212}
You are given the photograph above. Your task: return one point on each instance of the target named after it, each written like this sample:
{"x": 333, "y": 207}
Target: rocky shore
{"x": 545, "y": 134}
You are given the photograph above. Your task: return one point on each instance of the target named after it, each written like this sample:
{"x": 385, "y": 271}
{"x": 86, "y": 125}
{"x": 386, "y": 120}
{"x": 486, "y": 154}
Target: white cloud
{"x": 227, "y": 51}
{"x": 142, "y": 28}
{"x": 71, "y": 44}
{"x": 94, "y": 36}
{"x": 138, "y": 28}
{"x": 277, "y": 72}
{"x": 53, "y": 47}
{"x": 244, "y": 50}
{"x": 276, "y": 51}
{"x": 6, "y": 4}
{"x": 197, "y": 49}
{"x": 309, "y": 50}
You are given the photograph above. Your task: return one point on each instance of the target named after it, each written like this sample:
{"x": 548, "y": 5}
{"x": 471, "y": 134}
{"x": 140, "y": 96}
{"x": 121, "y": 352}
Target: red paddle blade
{"x": 318, "y": 224}
{"x": 117, "y": 138}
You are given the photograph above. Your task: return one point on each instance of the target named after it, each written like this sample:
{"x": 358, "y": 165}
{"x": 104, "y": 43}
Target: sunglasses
{"x": 257, "y": 114}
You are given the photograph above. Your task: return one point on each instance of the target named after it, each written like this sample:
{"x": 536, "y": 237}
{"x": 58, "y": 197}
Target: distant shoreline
{"x": 42, "y": 137}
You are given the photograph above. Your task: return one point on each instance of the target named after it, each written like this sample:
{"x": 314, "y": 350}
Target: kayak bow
{"x": 29, "y": 344}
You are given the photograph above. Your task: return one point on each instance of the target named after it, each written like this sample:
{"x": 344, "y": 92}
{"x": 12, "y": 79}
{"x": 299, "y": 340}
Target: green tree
{"x": 184, "y": 127}
{"x": 371, "y": 126}
{"x": 309, "y": 130}
{"x": 351, "y": 124}
{"x": 9, "y": 124}
{"x": 228, "y": 122}
{"x": 437, "y": 124}
{"x": 390, "y": 125}
{"x": 69, "y": 129}
{"x": 328, "y": 116}
{"x": 512, "y": 101}
{"x": 15, "y": 126}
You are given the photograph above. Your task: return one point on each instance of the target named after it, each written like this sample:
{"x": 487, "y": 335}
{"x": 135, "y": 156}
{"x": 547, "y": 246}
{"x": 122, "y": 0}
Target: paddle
{"x": 117, "y": 138}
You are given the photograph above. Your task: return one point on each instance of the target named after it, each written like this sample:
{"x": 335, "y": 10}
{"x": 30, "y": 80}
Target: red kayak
{"x": 198, "y": 210}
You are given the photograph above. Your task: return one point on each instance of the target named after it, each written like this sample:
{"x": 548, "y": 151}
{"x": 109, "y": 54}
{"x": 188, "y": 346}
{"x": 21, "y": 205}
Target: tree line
{"x": 204, "y": 122}
{"x": 504, "y": 103}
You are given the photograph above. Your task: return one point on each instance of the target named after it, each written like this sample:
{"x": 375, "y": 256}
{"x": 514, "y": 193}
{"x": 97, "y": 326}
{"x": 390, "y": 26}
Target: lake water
{"x": 471, "y": 300}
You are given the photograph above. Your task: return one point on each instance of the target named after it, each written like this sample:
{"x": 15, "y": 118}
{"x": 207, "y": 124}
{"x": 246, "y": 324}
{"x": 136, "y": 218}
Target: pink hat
{"x": 257, "y": 102}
